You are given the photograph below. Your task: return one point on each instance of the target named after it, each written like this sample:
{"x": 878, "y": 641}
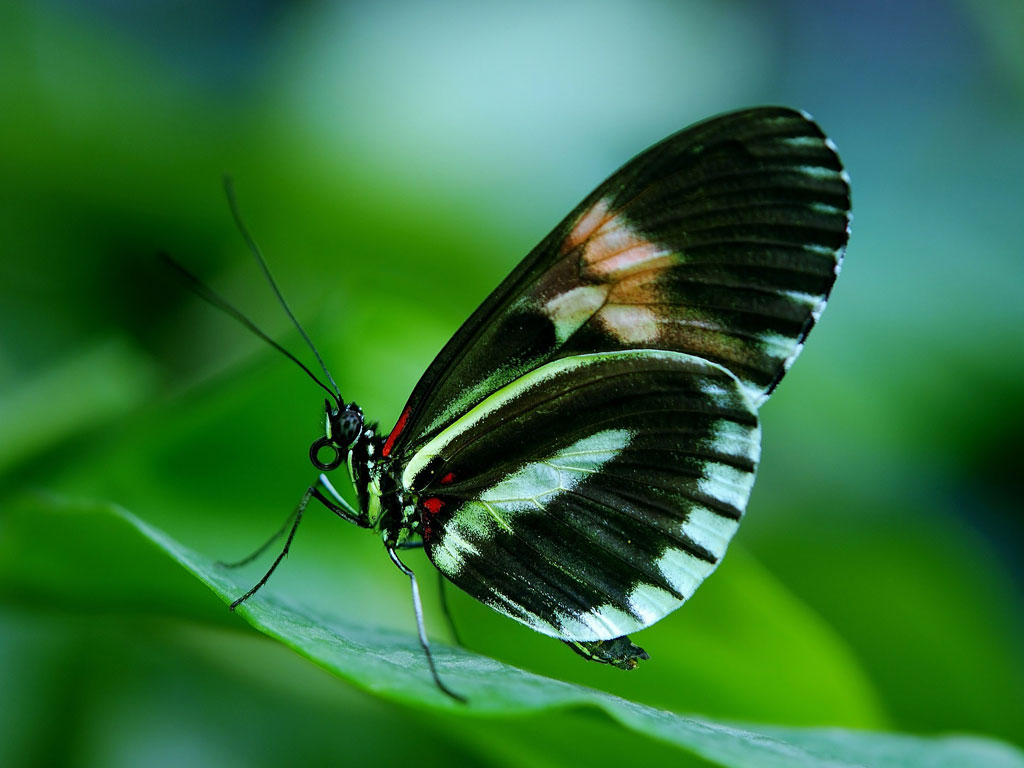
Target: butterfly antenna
{"x": 209, "y": 295}
{"x": 229, "y": 189}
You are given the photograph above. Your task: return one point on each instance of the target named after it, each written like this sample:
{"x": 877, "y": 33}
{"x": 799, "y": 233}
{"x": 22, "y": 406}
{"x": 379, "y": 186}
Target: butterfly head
{"x": 342, "y": 426}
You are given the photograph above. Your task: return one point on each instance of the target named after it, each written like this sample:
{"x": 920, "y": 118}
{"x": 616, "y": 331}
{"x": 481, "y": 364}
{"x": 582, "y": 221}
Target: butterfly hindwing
{"x": 722, "y": 241}
{"x": 590, "y": 497}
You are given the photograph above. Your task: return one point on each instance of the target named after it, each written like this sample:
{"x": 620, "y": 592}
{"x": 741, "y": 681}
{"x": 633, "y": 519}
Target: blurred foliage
{"x": 395, "y": 160}
{"x": 391, "y": 665}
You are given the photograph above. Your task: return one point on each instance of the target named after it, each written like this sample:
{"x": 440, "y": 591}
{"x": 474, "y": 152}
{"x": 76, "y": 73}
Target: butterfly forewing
{"x": 722, "y": 241}
{"x": 591, "y": 496}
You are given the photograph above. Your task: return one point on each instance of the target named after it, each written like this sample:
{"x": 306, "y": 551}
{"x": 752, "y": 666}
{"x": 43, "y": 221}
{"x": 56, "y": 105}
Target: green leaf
{"x": 390, "y": 664}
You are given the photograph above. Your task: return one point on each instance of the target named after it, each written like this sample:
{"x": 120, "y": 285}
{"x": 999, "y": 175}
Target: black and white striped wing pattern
{"x": 591, "y": 497}
{"x": 581, "y": 451}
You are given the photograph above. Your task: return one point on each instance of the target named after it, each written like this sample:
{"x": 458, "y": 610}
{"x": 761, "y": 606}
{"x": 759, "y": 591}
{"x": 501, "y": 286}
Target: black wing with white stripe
{"x": 589, "y": 498}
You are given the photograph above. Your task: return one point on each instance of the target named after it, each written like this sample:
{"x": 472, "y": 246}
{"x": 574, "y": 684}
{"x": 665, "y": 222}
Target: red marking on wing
{"x": 433, "y": 505}
{"x": 390, "y": 442}
{"x": 447, "y": 478}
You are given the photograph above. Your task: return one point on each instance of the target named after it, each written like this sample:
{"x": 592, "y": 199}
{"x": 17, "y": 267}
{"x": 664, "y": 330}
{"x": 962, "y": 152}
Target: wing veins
{"x": 652, "y": 574}
{"x": 592, "y": 427}
{"x": 683, "y": 541}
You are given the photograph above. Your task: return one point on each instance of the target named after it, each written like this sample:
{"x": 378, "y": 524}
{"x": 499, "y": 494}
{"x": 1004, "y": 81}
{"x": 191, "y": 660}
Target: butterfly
{"x": 580, "y": 453}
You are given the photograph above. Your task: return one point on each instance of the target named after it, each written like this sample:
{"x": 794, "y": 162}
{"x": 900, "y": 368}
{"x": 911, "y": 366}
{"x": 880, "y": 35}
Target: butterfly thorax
{"x": 381, "y": 497}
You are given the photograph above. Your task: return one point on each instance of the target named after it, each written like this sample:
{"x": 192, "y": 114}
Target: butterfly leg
{"x": 264, "y": 547}
{"x": 441, "y": 591}
{"x": 339, "y": 506}
{"x": 297, "y": 515}
{"x": 619, "y": 652}
{"x": 343, "y": 510}
{"x": 418, "y": 608}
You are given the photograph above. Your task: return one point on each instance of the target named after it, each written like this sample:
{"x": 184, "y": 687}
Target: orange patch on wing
{"x": 634, "y": 310}
{"x": 612, "y": 249}
{"x": 620, "y": 269}
{"x": 588, "y": 224}
{"x": 640, "y": 256}
{"x": 640, "y": 289}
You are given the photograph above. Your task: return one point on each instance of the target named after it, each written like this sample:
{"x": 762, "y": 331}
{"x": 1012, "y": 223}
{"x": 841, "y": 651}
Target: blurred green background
{"x": 395, "y": 160}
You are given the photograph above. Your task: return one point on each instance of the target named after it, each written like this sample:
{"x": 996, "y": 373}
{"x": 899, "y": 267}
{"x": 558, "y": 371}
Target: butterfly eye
{"x": 314, "y": 454}
{"x": 349, "y": 425}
